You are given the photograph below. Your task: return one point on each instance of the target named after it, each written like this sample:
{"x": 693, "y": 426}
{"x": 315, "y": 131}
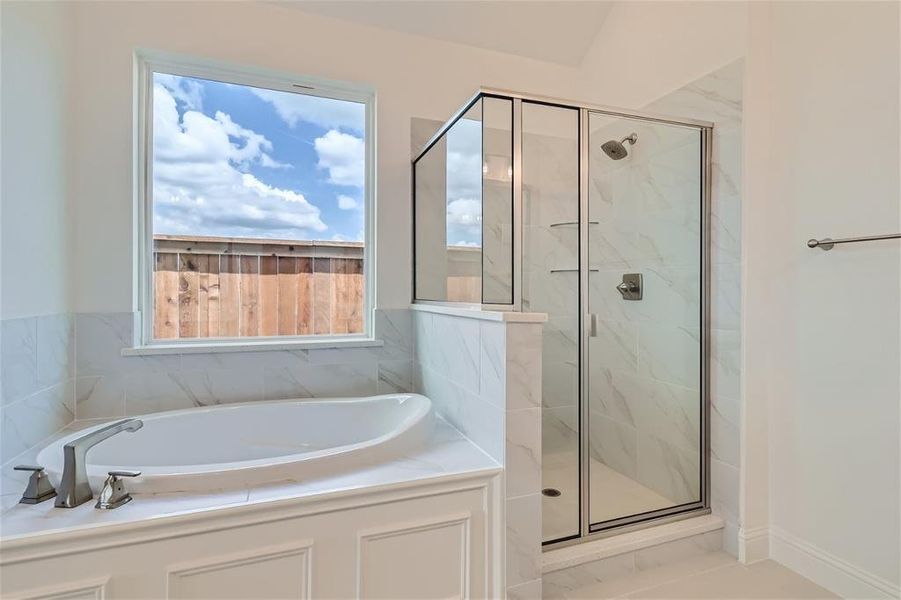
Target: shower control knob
{"x": 630, "y": 288}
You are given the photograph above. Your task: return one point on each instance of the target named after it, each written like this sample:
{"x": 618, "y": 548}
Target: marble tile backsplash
{"x": 110, "y": 385}
{"x": 37, "y": 380}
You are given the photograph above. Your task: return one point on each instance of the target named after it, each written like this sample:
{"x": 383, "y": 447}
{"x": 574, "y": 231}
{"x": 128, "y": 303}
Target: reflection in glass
{"x": 463, "y": 218}
{"x": 464, "y": 209}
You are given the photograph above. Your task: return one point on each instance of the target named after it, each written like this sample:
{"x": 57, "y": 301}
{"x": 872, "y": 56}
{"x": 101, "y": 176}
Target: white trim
{"x": 146, "y": 62}
{"x": 171, "y": 525}
{"x": 243, "y": 345}
{"x": 578, "y": 554}
{"x": 474, "y": 311}
{"x": 827, "y": 570}
{"x": 753, "y": 545}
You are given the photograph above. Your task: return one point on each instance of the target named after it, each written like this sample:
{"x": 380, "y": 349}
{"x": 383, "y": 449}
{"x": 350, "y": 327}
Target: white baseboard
{"x": 827, "y": 570}
{"x": 753, "y": 544}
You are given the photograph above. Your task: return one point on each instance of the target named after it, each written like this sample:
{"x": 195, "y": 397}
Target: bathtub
{"x": 248, "y": 444}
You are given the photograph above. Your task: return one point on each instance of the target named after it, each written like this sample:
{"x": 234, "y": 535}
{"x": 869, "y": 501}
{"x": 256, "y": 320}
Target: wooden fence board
{"x": 304, "y": 296}
{"x": 229, "y": 295}
{"x": 165, "y": 305}
{"x": 188, "y": 296}
{"x": 208, "y": 311}
{"x": 323, "y": 285}
{"x": 269, "y": 299}
{"x": 287, "y": 295}
{"x": 249, "y": 320}
{"x": 238, "y": 292}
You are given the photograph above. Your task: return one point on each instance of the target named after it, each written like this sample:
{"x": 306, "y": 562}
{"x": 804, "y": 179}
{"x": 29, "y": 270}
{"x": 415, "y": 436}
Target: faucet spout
{"x": 74, "y": 487}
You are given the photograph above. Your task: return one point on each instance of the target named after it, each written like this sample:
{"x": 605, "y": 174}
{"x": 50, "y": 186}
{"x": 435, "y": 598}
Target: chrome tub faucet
{"x": 74, "y": 487}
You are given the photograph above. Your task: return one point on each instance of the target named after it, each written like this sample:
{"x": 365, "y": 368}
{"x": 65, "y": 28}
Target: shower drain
{"x": 552, "y": 492}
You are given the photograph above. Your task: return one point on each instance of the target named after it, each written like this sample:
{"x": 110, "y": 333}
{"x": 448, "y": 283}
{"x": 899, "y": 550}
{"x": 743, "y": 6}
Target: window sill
{"x": 248, "y": 346}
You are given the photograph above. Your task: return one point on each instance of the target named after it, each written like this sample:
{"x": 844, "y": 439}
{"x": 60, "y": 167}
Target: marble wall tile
{"x": 395, "y": 328}
{"x": 670, "y": 354}
{"x": 492, "y": 362}
{"x": 724, "y": 492}
{"x": 523, "y": 452}
{"x": 725, "y": 367}
{"x": 324, "y": 381}
{"x": 55, "y": 349}
{"x": 615, "y": 345}
{"x": 395, "y": 376}
{"x": 559, "y": 429}
{"x": 614, "y": 444}
{"x": 671, "y": 413}
{"x": 18, "y": 357}
{"x": 715, "y": 97}
{"x": 100, "y": 396}
{"x": 523, "y": 366}
{"x": 99, "y": 340}
{"x": 26, "y": 422}
{"x": 450, "y": 346}
{"x": 523, "y": 539}
{"x": 668, "y": 469}
{"x": 725, "y": 434}
{"x": 155, "y": 392}
{"x": 204, "y": 388}
{"x": 560, "y": 362}
{"x": 725, "y": 296}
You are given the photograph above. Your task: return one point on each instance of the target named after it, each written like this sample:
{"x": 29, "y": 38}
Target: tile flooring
{"x": 716, "y": 576}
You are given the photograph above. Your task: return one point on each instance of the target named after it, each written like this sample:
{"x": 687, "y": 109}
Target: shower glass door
{"x": 642, "y": 345}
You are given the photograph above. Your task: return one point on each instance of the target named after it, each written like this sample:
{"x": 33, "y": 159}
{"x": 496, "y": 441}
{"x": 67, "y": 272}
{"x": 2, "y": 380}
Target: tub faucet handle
{"x": 114, "y": 494}
{"x": 39, "y": 487}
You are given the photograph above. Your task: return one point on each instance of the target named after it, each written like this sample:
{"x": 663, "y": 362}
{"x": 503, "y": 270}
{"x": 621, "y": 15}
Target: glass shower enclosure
{"x": 598, "y": 217}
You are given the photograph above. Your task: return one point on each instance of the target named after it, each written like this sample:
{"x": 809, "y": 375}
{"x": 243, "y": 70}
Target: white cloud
{"x": 347, "y": 203}
{"x": 199, "y": 187}
{"x": 342, "y": 155}
{"x": 466, "y": 213}
{"x": 182, "y": 89}
{"x": 327, "y": 113}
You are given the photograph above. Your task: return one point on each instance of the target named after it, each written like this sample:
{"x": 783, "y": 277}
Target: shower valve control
{"x": 631, "y": 288}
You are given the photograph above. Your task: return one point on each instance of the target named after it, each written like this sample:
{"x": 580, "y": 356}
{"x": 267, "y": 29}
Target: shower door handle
{"x": 592, "y": 323}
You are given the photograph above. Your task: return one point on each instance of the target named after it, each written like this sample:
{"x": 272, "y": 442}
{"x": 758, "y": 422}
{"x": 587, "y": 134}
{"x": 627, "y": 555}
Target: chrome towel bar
{"x": 828, "y": 243}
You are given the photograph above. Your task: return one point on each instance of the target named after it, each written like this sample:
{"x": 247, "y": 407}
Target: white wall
{"x": 36, "y": 52}
{"x": 648, "y": 49}
{"x": 824, "y": 351}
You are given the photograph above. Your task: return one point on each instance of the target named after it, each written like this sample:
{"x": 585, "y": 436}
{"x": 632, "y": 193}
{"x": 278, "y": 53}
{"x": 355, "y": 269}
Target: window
{"x": 256, "y": 206}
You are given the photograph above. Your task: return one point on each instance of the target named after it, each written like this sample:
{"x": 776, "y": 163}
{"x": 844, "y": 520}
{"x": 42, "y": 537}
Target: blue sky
{"x": 236, "y": 161}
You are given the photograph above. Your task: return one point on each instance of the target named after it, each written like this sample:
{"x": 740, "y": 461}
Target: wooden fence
{"x": 227, "y": 287}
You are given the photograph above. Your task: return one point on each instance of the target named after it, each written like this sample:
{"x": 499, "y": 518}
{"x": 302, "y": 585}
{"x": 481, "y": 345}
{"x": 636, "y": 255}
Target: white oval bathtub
{"x": 252, "y": 443}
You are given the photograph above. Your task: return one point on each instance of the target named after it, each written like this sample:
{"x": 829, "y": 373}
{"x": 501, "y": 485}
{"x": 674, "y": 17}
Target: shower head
{"x": 617, "y": 150}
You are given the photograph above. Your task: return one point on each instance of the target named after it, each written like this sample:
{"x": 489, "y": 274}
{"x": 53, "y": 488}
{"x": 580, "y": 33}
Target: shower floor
{"x": 612, "y": 495}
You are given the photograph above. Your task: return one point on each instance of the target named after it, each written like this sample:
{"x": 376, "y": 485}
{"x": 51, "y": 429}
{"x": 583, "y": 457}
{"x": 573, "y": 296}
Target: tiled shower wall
{"x": 717, "y": 97}
{"x": 38, "y": 389}
{"x": 485, "y": 378}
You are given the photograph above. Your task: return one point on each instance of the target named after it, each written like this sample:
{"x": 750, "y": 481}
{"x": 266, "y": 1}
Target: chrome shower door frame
{"x": 705, "y": 128}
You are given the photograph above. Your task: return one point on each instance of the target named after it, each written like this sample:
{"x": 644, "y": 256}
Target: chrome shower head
{"x": 617, "y": 150}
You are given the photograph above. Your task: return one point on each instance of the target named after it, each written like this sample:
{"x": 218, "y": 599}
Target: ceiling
{"x": 557, "y": 31}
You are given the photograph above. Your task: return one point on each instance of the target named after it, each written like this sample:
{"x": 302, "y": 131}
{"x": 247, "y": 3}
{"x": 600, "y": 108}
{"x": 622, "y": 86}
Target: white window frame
{"x": 148, "y": 62}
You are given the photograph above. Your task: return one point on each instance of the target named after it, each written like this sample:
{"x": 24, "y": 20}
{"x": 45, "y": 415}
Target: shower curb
{"x": 579, "y": 554}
